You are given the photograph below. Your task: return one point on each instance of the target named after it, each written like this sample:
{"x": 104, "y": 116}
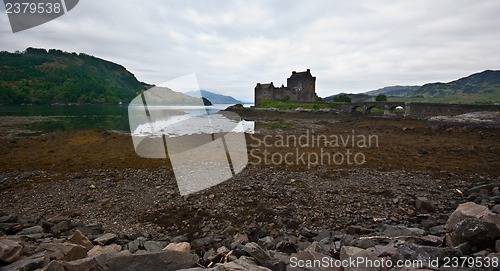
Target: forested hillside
{"x": 483, "y": 86}
{"x": 38, "y": 76}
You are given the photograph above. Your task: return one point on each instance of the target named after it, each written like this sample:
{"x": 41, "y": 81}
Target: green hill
{"x": 394, "y": 91}
{"x": 483, "y": 87}
{"x": 163, "y": 96}
{"x": 38, "y": 76}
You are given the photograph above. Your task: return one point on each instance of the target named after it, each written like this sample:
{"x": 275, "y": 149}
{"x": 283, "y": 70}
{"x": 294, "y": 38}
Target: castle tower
{"x": 301, "y": 87}
{"x": 264, "y": 92}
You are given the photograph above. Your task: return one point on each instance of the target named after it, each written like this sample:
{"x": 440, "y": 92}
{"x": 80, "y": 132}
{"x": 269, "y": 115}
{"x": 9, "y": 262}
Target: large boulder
{"x": 63, "y": 251}
{"x": 105, "y": 239}
{"x": 54, "y": 266}
{"x": 472, "y": 210}
{"x": 259, "y": 254}
{"x": 153, "y": 246}
{"x": 81, "y": 265}
{"x": 99, "y": 250}
{"x": 181, "y": 247}
{"x": 166, "y": 260}
{"x": 10, "y": 251}
{"x": 30, "y": 263}
{"x": 472, "y": 223}
{"x": 150, "y": 261}
{"x": 347, "y": 252}
{"x": 409, "y": 251}
{"x": 80, "y": 239}
{"x": 473, "y": 231}
{"x": 31, "y": 230}
{"x": 60, "y": 227}
{"x": 243, "y": 263}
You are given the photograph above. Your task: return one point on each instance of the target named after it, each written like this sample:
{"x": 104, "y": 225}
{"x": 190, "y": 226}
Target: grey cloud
{"x": 350, "y": 46}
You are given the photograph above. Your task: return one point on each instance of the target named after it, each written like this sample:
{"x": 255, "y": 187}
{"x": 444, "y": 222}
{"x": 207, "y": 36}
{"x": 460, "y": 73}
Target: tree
{"x": 342, "y": 99}
{"x": 381, "y": 98}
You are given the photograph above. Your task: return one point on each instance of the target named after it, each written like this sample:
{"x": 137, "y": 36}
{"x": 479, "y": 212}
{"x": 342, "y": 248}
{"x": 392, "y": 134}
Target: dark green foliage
{"x": 38, "y": 76}
{"x": 381, "y": 98}
{"x": 353, "y": 97}
{"x": 394, "y": 91}
{"x": 342, "y": 99}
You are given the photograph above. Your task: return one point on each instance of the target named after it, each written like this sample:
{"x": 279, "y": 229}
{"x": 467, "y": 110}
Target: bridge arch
{"x": 378, "y": 108}
{"x": 416, "y": 109}
{"x": 357, "y": 108}
{"x": 374, "y": 106}
{"x": 397, "y": 109}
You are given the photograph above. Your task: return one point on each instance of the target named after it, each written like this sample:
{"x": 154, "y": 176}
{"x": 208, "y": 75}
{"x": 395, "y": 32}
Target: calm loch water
{"x": 69, "y": 118}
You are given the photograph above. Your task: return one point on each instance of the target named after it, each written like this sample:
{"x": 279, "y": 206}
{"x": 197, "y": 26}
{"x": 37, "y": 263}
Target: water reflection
{"x": 99, "y": 117}
{"x": 179, "y": 121}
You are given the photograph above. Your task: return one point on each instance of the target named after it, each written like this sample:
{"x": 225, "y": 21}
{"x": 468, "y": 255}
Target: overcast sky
{"x": 350, "y": 46}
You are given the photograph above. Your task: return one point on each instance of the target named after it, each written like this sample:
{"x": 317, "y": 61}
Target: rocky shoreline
{"x": 365, "y": 216}
{"x": 467, "y": 241}
{"x": 399, "y": 205}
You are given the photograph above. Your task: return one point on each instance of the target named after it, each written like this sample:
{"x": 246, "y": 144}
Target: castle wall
{"x": 263, "y": 94}
{"x": 305, "y": 88}
{"x": 300, "y": 88}
{"x": 279, "y": 94}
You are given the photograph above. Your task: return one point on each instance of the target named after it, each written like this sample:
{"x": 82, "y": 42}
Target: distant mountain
{"x": 483, "y": 85}
{"x": 394, "y": 91}
{"x": 161, "y": 96}
{"x": 38, "y": 76}
{"x": 214, "y": 98}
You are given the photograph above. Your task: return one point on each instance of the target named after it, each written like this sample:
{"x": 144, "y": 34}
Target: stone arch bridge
{"x": 416, "y": 109}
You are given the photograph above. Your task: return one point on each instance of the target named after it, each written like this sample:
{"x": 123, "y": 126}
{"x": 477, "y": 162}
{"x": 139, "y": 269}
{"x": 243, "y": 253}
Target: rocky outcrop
{"x": 473, "y": 224}
{"x": 10, "y": 251}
